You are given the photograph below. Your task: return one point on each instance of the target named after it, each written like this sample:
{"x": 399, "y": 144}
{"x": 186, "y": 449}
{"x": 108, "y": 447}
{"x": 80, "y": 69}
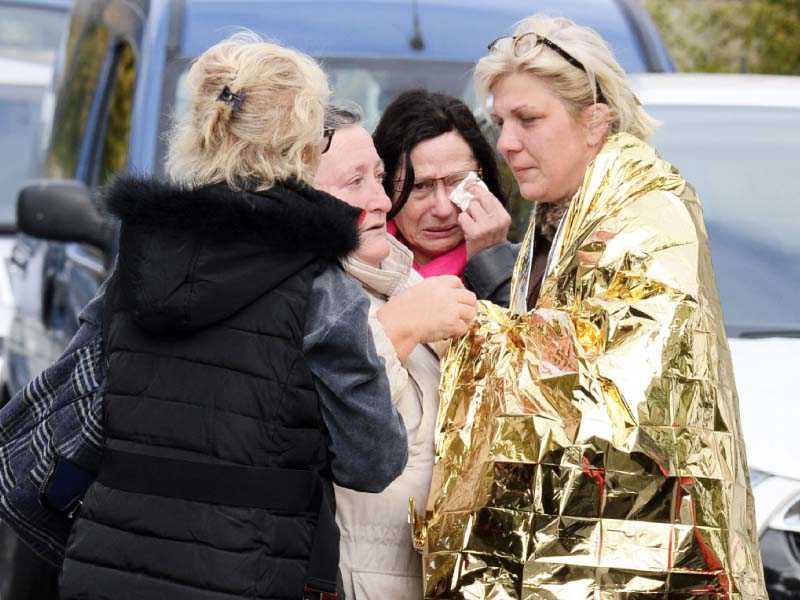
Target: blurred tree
{"x": 754, "y": 36}
{"x": 775, "y": 35}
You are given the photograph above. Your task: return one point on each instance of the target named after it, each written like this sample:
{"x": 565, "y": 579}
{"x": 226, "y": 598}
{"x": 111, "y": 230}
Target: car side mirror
{"x": 62, "y": 210}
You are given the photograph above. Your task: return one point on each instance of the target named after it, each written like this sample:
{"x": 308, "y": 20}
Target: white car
{"x": 736, "y": 139}
{"x": 22, "y": 87}
{"x": 31, "y": 31}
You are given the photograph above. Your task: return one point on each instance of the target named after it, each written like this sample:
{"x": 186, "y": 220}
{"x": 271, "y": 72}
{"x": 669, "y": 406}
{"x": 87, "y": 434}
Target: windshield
{"x": 372, "y": 83}
{"x": 374, "y": 50}
{"x": 30, "y": 33}
{"x": 743, "y": 163}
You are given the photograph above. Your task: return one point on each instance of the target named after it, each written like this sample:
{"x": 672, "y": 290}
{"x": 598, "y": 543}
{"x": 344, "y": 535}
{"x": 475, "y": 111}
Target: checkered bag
{"x": 51, "y": 441}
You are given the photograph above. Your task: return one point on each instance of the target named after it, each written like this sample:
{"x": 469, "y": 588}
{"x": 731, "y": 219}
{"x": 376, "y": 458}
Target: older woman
{"x": 241, "y": 370}
{"x": 407, "y": 315}
{"x": 431, "y": 142}
{"x": 590, "y": 443}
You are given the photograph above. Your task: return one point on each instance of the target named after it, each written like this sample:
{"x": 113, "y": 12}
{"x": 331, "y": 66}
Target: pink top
{"x": 449, "y": 263}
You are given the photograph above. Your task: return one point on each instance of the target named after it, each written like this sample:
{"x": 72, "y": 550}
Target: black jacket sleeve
{"x": 488, "y": 273}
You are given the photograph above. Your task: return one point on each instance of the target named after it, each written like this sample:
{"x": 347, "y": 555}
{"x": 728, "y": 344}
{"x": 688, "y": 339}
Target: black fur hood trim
{"x": 290, "y": 215}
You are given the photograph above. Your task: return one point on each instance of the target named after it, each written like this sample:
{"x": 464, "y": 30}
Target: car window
{"x": 743, "y": 163}
{"x": 114, "y": 136}
{"x": 110, "y": 157}
{"x": 90, "y": 45}
{"x": 31, "y": 33}
{"x": 19, "y": 118}
{"x": 29, "y": 39}
{"x": 372, "y": 83}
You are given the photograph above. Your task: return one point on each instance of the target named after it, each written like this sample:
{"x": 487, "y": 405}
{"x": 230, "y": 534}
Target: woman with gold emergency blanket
{"x": 588, "y": 441}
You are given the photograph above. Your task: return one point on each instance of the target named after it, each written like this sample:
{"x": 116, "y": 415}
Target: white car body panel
{"x": 769, "y": 402}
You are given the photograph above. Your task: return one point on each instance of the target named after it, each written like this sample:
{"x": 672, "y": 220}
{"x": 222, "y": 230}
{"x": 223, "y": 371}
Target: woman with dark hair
{"x": 430, "y": 143}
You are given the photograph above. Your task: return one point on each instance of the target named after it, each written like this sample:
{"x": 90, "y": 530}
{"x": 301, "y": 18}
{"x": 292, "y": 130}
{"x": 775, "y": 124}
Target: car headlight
{"x": 777, "y": 501}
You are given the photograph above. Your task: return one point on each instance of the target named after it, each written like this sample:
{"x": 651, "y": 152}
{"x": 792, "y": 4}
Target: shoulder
{"x": 332, "y": 287}
{"x": 337, "y": 305}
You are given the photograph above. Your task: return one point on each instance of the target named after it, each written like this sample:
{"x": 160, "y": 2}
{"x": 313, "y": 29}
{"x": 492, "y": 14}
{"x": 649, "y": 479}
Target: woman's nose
{"x": 508, "y": 141}
{"x": 379, "y": 200}
{"x": 442, "y": 207}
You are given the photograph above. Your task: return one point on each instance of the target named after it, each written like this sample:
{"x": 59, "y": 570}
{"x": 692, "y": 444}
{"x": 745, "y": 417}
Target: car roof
{"x": 64, "y": 4}
{"x": 452, "y": 30}
{"x": 501, "y": 5}
{"x": 717, "y": 89}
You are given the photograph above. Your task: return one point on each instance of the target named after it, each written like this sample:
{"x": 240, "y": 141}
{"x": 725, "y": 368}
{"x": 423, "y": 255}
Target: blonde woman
{"x": 242, "y": 376}
{"x": 589, "y": 442}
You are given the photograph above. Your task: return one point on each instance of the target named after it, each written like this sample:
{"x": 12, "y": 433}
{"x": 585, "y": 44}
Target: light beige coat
{"x": 377, "y": 560}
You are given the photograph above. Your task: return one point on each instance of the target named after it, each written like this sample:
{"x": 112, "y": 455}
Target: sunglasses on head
{"x": 327, "y": 138}
{"x": 521, "y": 44}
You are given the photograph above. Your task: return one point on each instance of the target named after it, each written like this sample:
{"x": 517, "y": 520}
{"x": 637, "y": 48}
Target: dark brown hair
{"x": 419, "y": 115}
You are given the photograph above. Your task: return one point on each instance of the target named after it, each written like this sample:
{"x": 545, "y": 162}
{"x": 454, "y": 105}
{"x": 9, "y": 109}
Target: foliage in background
{"x": 731, "y": 36}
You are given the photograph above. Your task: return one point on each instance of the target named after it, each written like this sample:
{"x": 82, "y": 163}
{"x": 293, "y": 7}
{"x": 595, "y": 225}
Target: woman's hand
{"x": 485, "y": 222}
{"x": 435, "y": 309}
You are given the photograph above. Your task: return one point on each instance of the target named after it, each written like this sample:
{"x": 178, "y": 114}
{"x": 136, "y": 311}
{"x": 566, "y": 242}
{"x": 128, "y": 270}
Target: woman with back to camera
{"x": 242, "y": 376}
{"x": 590, "y": 443}
{"x": 430, "y": 142}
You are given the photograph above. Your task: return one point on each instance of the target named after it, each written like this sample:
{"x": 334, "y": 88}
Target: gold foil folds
{"x": 590, "y": 448}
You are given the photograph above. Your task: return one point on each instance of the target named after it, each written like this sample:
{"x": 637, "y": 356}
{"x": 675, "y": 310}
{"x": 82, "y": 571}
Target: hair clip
{"x": 235, "y": 100}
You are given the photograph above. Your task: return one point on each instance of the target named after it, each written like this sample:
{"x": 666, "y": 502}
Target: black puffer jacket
{"x": 209, "y": 486}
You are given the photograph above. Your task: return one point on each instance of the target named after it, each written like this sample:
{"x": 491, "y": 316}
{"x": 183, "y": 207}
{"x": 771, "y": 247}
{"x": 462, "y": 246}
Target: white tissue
{"x": 460, "y": 196}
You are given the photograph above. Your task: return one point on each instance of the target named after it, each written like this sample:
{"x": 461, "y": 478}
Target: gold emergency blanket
{"x": 591, "y": 448}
